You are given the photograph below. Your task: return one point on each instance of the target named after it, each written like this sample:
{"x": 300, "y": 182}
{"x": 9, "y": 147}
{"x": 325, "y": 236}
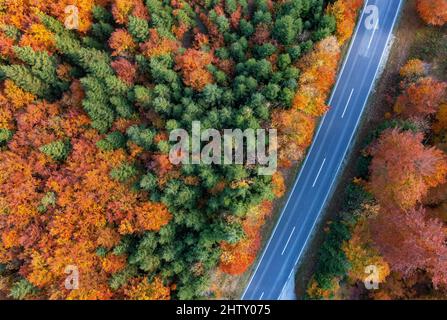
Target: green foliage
{"x": 404, "y": 125}
{"x": 121, "y": 278}
{"x": 286, "y": 29}
{"x": 429, "y": 46}
{"x": 124, "y": 172}
{"x": 22, "y": 290}
{"x": 355, "y": 196}
{"x": 48, "y": 200}
{"x": 23, "y": 78}
{"x": 138, "y": 28}
{"x": 294, "y": 52}
{"x": 332, "y": 261}
{"x": 141, "y": 136}
{"x": 148, "y": 182}
{"x": 5, "y": 136}
{"x": 58, "y": 150}
{"x": 327, "y": 27}
{"x": 112, "y": 141}
{"x": 11, "y": 31}
{"x": 265, "y": 50}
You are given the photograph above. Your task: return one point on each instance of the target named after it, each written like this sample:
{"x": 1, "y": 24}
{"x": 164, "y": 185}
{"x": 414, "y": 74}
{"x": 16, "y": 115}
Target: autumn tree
{"x": 413, "y": 69}
{"x": 410, "y": 241}
{"x": 421, "y": 98}
{"x": 403, "y": 169}
{"x": 433, "y": 12}
{"x": 237, "y": 257}
{"x": 193, "y": 65}
{"x": 295, "y": 132}
{"x": 345, "y": 13}
{"x": 360, "y": 250}
{"x": 318, "y": 75}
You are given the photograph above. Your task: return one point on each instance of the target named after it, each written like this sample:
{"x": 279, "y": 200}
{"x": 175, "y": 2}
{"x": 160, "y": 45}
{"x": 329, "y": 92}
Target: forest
{"x": 89, "y": 91}
{"x": 394, "y": 213}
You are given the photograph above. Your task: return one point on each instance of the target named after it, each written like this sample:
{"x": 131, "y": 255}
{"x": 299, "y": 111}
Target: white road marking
{"x": 318, "y": 174}
{"x": 288, "y": 240}
{"x": 347, "y": 103}
{"x": 374, "y": 32}
{"x": 260, "y": 298}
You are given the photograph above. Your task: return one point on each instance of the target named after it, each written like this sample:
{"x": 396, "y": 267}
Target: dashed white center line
{"x": 347, "y": 103}
{"x": 288, "y": 240}
{"x": 318, "y": 174}
{"x": 260, "y": 298}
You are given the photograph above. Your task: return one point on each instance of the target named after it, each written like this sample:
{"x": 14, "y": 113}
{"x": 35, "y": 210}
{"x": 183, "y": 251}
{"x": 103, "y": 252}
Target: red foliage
{"x": 410, "y": 241}
{"x": 125, "y": 70}
{"x": 403, "y": 169}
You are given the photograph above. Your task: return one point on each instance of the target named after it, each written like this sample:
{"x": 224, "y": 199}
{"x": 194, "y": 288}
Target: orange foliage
{"x": 314, "y": 290}
{"x": 113, "y": 263}
{"x": 193, "y": 64}
{"x": 17, "y": 96}
{"x": 85, "y": 7}
{"x": 412, "y": 69}
{"x": 361, "y": 253}
{"x": 147, "y": 217}
{"x": 22, "y": 13}
{"x": 38, "y": 37}
{"x": 121, "y": 9}
{"x": 345, "y": 13}
{"x": 236, "y": 258}
{"x": 279, "y": 187}
{"x": 141, "y": 289}
{"x": 157, "y": 46}
{"x": 411, "y": 241}
{"x": 121, "y": 42}
{"x": 295, "y": 132}
{"x": 6, "y": 46}
{"x": 421, "y": 98}
{"x": 84, "y": 202}
{"x": 441, "y": 119}
{"x": 433, "y": 12}
{"x": 318, "y": 75}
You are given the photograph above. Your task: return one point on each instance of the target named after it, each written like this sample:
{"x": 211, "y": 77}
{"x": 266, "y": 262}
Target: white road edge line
{"x": 288, "y": 240}
{"x": 358, "y": 120}
{"x": 347, "y": 103}
{"x": 319, "y": 172}
{"x": 345, "y": 62}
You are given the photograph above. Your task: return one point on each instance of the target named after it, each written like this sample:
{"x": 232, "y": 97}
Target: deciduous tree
{"x": 403, "y": 169}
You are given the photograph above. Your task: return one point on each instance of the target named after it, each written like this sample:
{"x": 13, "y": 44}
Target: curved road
{"x": 331, "y": 143}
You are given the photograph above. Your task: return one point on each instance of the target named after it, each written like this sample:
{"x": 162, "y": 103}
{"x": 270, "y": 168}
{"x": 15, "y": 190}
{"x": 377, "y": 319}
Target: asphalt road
{"x": 330, "y": 146}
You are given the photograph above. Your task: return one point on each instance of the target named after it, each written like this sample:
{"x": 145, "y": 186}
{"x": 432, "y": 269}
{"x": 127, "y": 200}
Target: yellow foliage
{"x": 17, "y": 96}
